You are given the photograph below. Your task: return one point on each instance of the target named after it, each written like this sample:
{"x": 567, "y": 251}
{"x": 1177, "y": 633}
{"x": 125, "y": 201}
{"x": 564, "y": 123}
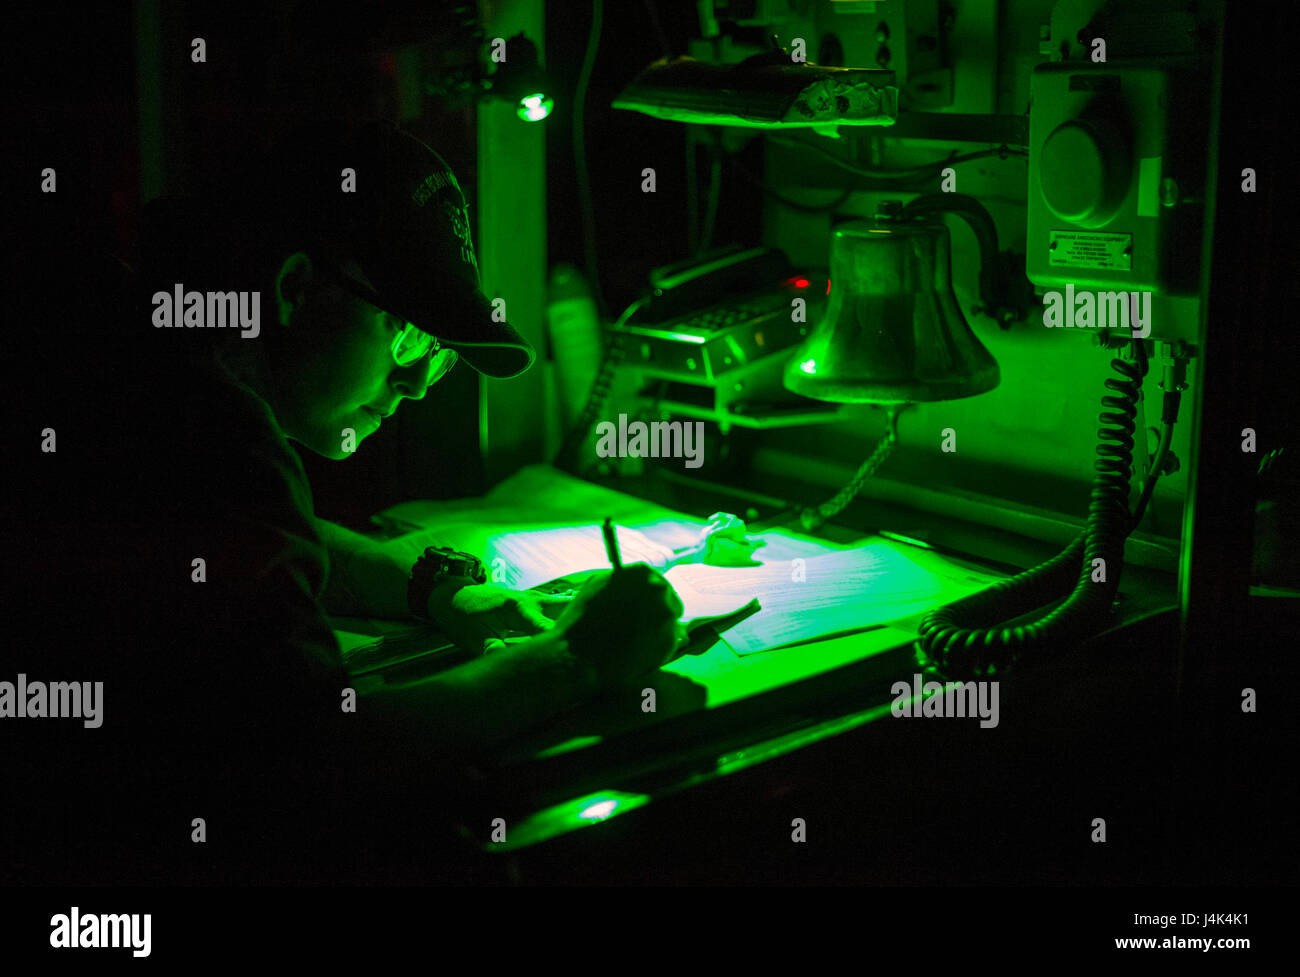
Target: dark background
{"x": 76, "y": 102}
{"x": 1212, "y": 804}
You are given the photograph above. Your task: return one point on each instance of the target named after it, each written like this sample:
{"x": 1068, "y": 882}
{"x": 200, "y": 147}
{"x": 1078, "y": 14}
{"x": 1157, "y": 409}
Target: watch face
{"x": 442, "y": 562}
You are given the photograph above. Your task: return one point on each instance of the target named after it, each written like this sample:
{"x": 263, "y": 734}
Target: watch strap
{"x": 433, "y": 566}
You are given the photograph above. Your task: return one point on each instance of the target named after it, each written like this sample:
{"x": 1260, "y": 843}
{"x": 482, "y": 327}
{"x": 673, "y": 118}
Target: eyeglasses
{"x": 411, "y": 344}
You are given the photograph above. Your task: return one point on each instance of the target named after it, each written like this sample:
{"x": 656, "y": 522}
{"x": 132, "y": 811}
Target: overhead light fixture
{"x": 520, "y": 79}
{"x": 534, "y": 107}
{"x": 766, "y": 91}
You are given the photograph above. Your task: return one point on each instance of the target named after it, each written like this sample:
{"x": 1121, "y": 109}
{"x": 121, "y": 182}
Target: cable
{"x": 963, "y": 639}
{"x": 585, "y": 204}
{"x": 913, "y": 172}
{"x": 1153, "y": 475}
{"x": 813, "y": 518}
{"x": 1173, "y": 380}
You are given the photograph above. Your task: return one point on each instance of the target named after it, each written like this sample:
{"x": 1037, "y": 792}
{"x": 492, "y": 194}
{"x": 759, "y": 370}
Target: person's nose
{"x": 412, "y": 381}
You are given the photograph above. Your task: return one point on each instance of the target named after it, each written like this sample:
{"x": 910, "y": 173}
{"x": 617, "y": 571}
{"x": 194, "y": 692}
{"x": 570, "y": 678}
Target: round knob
{"x": 1084, "y": 172}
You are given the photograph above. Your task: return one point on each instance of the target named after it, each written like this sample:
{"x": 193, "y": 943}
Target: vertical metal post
{"x": 512, "y": 249}
{"x": 1239, "y": 342}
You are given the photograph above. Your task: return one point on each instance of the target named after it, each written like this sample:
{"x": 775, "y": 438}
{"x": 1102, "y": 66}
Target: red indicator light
{"x": 801, "y": 283}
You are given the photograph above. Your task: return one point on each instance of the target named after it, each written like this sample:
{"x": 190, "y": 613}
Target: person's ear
{"x": 291, "y": 284}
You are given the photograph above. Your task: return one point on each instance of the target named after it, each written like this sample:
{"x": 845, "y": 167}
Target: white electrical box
{"x": 1116, "y": 174}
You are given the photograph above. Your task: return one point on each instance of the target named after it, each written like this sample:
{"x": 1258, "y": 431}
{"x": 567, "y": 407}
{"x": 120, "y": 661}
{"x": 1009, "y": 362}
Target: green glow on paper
{"x": 535, "y": 107}
{"x": 519, "y": 535}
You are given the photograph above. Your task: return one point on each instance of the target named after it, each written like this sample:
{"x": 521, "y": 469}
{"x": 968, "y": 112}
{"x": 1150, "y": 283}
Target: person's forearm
{"x": 370, "y": 579}
{"x": 367, "y": 578}
{"x": 487, "y": 700}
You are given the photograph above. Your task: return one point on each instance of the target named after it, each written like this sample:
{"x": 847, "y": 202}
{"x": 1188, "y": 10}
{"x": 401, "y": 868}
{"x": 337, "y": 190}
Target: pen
{"x": 611, "y": 544}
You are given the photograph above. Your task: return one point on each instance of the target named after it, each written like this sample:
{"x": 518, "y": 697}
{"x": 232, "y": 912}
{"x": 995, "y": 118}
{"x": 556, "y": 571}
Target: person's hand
{"x": 623, "y": 623}
{"x": 480, "y": 615}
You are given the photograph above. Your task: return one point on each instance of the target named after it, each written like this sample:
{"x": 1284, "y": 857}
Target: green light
{"x": 808, "y": 366}
{"x": 569, "y": 816}
{"x": 598, "y": 812}
{"x": 904, "y": 539}
{"x": 534, "y": 108}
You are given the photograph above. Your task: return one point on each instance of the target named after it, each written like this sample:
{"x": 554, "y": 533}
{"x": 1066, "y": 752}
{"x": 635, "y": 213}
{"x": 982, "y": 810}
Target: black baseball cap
{"x": 395, "y": 207}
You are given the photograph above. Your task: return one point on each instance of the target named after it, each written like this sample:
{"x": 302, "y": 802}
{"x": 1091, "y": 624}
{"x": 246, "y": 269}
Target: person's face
{"x": 334, "y": 376}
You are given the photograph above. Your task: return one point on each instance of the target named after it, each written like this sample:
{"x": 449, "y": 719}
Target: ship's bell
{"x": 892, "y": 331}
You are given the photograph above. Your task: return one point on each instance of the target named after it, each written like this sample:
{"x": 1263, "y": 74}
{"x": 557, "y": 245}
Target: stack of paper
{"x": 815, "y": 597}
{"x": 541, "y": 524}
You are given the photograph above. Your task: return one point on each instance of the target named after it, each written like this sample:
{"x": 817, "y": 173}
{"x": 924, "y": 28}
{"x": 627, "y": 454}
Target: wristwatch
{"x": 434, "y": 565}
